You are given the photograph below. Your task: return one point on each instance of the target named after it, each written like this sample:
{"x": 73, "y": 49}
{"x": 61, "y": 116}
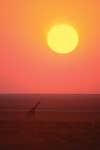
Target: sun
{"x": 62, "y": 38}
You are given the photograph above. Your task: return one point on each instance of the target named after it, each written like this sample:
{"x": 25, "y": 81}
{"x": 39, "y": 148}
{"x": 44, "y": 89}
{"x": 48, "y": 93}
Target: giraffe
{"x": 31, "y": 113}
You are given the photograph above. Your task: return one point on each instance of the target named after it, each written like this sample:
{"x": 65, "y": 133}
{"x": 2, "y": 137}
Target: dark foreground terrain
{"x": 64, "y": 122}
{"x": 30, "y": 135}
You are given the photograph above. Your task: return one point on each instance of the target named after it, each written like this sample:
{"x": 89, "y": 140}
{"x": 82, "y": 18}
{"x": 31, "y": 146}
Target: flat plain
{"x": 72, "y": 130}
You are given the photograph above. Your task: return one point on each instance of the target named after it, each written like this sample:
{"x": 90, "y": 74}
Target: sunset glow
{"x": 32, "y": 61}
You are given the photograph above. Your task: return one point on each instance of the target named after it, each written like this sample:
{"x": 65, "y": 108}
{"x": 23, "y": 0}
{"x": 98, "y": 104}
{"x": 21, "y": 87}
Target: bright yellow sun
{"x": 62, "y": 38}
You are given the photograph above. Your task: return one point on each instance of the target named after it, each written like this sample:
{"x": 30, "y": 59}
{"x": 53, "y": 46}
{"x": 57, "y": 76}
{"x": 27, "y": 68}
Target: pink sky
{"x": 27, "y": 65}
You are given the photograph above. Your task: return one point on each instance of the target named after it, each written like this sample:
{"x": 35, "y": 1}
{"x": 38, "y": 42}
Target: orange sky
{"x": 26, "y": 63}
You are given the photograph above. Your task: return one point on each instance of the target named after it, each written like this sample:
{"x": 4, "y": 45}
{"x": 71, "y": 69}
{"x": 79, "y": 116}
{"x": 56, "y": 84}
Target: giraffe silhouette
{"x": 32, "y": 112}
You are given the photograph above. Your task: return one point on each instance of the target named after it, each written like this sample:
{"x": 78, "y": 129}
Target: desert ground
{"x": 49, "y": 130}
